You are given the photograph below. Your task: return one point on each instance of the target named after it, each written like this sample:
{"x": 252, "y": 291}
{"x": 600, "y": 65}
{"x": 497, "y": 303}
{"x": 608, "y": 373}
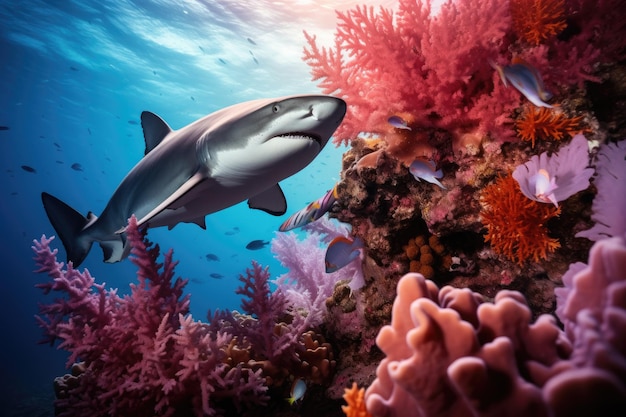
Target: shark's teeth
{"x": 301, "y": 135}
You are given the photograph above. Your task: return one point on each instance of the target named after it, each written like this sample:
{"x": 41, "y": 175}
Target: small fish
{"x": 74, "y": 68}
{"x": 257, "y": 244}
{"x": 192, "y": 99}
{"x": 311, "y": 212}
{"x": 216, "y": 275}
{"x": 544, "y": 186}
{"x": 57, "y": 145}
{"x": 398, "y": 122}
{"x": 59, "y": 162}
{"x": 29, "y": 169}
{"x": 4, "y": 127}
{"x": 526, "y": 79}
{"x": 298, "y": 389}
{"x": 222, "y": 61}
{"x": 255, "y": 60}
{"x": 77, "y": 167}
{"x": 132, "y": 122}
{"x": 201, "y": 48}
{"x": 251, "y": 41}
{"x": 212, "y": 257}
{"x": 232, "y": 232}
{"x": 341, "y": 251}
{"x": 89, "y": 130}
{"x": 425, "y": 170}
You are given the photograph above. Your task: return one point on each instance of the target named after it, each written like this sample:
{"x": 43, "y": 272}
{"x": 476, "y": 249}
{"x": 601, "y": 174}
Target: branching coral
{"x": 516, "y": 225}
{"x": 538, "y": 20}
{"x": 545, "y": 123}
{"x": 356, "y": 402}
{"x": 433, "y": 69}
{"x": 143, "y": 354}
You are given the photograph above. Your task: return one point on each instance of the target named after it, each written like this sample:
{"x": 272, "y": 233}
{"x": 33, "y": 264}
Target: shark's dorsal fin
{"x": 271, "y": 201}
{"x": 154, "y": 130}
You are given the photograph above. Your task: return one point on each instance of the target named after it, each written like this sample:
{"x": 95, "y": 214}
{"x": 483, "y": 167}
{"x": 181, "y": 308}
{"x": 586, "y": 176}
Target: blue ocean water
{"x": 74, "y": 78}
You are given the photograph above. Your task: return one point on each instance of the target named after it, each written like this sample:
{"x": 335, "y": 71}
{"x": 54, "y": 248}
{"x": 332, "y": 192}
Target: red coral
{"x": 538, "y": 20}
{"x": 515, "y": 224}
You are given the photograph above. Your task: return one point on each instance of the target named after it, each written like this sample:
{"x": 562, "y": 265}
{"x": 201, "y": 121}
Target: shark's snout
{"x": 329, "y": 108}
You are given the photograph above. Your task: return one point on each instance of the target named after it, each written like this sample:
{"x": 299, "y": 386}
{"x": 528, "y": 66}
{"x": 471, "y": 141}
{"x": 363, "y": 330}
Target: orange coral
{"x": 538, "y": 20}
{"x": 516, "y": 224}
{"x": 356, "y": 403}
{"x": 544, "y": 123}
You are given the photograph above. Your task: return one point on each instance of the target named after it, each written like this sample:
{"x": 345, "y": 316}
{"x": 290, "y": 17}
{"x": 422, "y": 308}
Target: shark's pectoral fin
{"x": 116, "y": 249}
{"x": 200, "y": 221}
{"x": 154, "y": 130}
{"x": 271, "y": 201}
{"x": 192, "y": 182}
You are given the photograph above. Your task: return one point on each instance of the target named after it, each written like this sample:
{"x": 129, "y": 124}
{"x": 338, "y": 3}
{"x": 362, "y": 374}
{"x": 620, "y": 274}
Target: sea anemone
{"x": 515, "y": 224}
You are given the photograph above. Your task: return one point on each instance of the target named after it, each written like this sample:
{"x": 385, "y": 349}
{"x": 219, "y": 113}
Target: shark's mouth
{"x": 302, "y": 135}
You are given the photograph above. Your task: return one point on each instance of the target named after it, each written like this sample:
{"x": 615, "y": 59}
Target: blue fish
{"x": 312, "y": 212}
{"x": 426, "y": 170}
{"x": 398, "y": 122}
{"x": 526, "y": 79}
{"x": 298, "y": 389}
{"x": 257, "y": 244}
{"x": 341, "y": 251}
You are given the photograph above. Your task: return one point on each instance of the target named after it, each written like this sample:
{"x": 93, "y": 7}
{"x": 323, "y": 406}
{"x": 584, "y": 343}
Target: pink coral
{"x": 449, "y": 353}
{"x": 433, "y": 68}
{"x": 143, "y": 354}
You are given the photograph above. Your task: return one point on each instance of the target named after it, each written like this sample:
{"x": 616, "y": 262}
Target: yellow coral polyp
{"x": 516, "y": 225}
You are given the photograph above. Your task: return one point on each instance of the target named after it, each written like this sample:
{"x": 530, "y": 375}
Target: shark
{"x": 235, "y": 154}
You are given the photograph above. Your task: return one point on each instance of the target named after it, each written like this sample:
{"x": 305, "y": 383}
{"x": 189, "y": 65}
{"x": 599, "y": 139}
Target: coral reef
{"x": 448, "y": 352}
{"x": 144, "y": 354}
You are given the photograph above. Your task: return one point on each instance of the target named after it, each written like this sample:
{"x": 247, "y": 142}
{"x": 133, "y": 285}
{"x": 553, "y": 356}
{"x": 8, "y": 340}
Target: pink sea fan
{"x": 609, "y": 205}
{"x": 568, "y": 167}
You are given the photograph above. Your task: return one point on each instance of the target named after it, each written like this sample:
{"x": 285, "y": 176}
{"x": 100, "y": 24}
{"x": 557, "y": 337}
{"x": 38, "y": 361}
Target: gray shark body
{"x": 235, "y": 154}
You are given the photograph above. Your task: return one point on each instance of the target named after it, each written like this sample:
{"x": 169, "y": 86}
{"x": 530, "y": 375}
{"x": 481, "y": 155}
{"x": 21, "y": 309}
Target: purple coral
{"x": 568, "y": 167}
{"x": 306, "y": 284}
{"x": 609, "y": 205}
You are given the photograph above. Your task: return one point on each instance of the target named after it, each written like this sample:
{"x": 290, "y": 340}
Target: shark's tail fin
{"x": 68, "y": 223}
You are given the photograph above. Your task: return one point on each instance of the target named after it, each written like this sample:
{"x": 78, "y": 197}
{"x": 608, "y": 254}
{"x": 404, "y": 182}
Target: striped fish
{"x": 312, "y": 212}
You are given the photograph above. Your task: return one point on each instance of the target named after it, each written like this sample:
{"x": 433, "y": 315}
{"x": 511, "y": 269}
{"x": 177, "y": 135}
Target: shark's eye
{"x": 275, "y": 108}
